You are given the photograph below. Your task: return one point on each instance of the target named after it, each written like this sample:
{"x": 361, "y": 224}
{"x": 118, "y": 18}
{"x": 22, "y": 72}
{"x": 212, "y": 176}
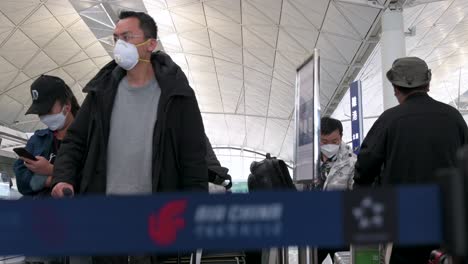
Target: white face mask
{"x": 54, "y": 122}
{"x": 126, "y": 54}
{"x": 329, "y": 150}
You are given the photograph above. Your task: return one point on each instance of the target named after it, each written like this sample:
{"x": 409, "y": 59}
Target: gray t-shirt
{"x": 130, "y": 147}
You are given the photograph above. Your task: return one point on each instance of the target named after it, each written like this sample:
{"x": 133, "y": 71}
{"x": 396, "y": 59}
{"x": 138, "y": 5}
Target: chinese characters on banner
{"x": 356, "y": 115}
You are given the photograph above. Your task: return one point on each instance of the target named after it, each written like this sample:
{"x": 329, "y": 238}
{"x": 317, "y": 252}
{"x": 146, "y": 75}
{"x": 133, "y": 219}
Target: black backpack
{"x": 269, "y": 174}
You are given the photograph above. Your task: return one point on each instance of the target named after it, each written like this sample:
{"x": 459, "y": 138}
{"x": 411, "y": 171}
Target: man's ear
{"x": 68, "y": 107}
{"x": 153, "y": 44}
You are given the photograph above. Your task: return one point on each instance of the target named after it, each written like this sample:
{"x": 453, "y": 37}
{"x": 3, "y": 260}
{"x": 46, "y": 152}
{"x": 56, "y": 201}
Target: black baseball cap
{"x": 45, "y": 90}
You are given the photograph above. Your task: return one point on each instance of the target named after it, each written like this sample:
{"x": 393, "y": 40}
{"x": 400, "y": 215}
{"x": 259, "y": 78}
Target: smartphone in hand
{"x": 22, "y": 152}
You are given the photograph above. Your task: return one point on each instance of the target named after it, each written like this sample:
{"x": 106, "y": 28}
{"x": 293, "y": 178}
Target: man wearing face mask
{"x": 54, "y": 103}
{"x": 139, "y": 130}
{"x": 337, "y": 158}
{"x": 336, "y": 166}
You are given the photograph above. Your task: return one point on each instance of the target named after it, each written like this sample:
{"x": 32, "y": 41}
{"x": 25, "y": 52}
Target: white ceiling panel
{"x": 21, "y": 93}
{"x": 201, "y": 64}
{"x": 9, "y": 109}
{"x": 197, "y": 47}
{"x": 230, "y": 92}
{"x": 295, "y": 18}
{"x": 39, "y": 64}
{"x": 193, "y": 12}
{"x": 345, "y": 46}
{"x": 271, "y": 9}
{"x": 335, "y": 22}
{"x": 255, "y": 132}
{"x": 225, "y": 10}
{"x": 18, "y": 10}
{"x": 80, "y": 32}
{"x": 359, "y": 17}
{"x": 313, "y": 12}
{"x": 215, "y": 128}
{"x": 329, "y": 51}
{"x": 285, "y": 69}
{"x": 19, "y": 79}
{"x": 79, "y": 69}
{"x": 19, "y": 49}
{"x": 7, "y": 73}
{"x": 96, "y": 50}
{"x": 251, "y": 15}
{"x": 281, "y": 100}
{"x": 229, "y": 69}
{"x": 275, "y": 132}
{"x": 236, "y": 128}
{"x": 431, "y": 13}
{"x": 49, "y": 29}
{"x": 62, "y": 48}
{"x": 256, "y": 60}
{"x": 232, "y": 54}
{"x": 6, "y": 24}
{"x": 287, "y": 146}
{"x": 184, "y": 24}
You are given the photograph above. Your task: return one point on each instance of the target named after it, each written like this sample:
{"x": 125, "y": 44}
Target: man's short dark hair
{"x": 328, "y": 125}
{"x": 147, "y": 24}
{"x": 406, "y": 91}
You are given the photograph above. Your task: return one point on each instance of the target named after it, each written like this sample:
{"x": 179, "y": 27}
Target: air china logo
{"x": 164, "y": 225}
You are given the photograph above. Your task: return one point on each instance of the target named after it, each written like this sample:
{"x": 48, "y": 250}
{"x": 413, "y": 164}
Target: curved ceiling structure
{"x": 239, "y": 55}
{"x": 441, "y": 39}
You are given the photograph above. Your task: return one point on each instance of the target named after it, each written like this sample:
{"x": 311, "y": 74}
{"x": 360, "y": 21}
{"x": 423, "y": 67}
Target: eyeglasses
{"x": 126, "y": 37}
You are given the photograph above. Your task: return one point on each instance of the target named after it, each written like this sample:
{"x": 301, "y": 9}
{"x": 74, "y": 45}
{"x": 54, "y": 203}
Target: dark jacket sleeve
{"x": 464, "y": 130}
{"x": 23, "y": 174}
{"x": 69, "y": 160}
{"x": 211, "y": 158}
{"x": 371, "y": 157}
{"x": 192, "y": 148}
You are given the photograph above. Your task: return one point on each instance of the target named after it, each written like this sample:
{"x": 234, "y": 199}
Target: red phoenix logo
{"x": 164, "y": 225}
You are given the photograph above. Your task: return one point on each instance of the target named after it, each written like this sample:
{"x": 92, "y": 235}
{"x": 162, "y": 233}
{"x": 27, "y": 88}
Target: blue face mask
{"x": 55, "y": 121}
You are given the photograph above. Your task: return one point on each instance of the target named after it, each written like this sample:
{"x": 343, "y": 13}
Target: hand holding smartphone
{"x": 22, "y": 152}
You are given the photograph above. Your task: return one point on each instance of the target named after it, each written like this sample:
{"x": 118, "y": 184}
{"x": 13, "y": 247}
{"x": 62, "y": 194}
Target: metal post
{"x": 393, "y": 46}
{"x": 283, "y": 255}
{"x": 307, "y": 255}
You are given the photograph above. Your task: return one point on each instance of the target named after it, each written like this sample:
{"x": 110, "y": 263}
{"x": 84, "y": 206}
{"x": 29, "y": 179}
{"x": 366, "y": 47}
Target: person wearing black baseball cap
{"x": 410, "y": 142}
{"x": 56, "y": 106}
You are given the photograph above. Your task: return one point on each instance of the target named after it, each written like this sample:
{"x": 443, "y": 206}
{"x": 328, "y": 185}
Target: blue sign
{"x": 356, "y": 115}
{"x": 184, "y": 222}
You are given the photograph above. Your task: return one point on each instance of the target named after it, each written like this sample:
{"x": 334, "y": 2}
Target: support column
{"x": 393, "y": 46}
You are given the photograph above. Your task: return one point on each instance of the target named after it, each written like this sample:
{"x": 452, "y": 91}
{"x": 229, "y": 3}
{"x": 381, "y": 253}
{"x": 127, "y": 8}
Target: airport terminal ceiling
{"x": 240, "y": 55}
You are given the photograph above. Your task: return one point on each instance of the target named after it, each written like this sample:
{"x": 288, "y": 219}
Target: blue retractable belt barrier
{"x": 179, "y": 222}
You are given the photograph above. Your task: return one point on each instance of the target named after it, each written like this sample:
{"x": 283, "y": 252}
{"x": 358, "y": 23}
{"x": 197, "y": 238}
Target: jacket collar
{"x": 416, "y": 95}
{"x": 166, "y": 72}
{"x": 43, "y": 132}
